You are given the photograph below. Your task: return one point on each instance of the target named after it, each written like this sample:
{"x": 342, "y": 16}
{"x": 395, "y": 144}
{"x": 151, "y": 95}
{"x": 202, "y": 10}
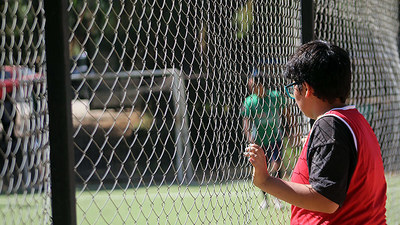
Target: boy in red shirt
{"x": 339, "y": 176}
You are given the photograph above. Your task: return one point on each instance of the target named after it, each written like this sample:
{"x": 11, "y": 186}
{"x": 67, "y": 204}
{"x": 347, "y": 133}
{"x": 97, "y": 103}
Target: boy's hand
{"x": 257, "y": 159}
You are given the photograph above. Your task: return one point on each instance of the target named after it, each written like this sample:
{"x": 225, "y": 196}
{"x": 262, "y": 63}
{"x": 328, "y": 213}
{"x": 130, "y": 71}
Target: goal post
{"x": 116, "y": 90}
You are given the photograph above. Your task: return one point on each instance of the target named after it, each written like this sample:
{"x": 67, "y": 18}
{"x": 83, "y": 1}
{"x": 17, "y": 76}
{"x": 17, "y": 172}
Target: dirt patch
{"x": 121, "y": 121}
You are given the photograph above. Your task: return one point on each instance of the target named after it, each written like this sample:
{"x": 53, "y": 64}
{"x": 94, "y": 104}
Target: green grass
{"x": 233, "y": 203}
{"x": 24, "y": 209}
{"x": 393, "y": 201}
{"x": 236, "y": 202}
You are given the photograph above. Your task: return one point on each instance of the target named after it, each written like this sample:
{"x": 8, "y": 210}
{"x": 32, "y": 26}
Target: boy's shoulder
{"x": 276, "y": 97}
{"x": 274, "y": 93}
{"x": 251, "y": 99}
{"x": 250, "y": 105}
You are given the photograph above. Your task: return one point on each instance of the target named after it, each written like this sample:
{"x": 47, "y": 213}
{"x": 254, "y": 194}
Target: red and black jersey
{"x": 342, "y": 161}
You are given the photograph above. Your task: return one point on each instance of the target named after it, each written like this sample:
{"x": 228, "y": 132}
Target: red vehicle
{"x": 12, "y": 76}
{"x": 18, "y": 87}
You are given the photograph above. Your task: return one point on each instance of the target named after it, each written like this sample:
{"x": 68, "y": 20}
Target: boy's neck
{"x": 260, "y": 92}
{"x": 325, "y": 106}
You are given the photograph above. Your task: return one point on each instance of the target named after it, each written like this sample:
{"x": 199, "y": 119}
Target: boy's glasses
{"x": 290, "y": 89}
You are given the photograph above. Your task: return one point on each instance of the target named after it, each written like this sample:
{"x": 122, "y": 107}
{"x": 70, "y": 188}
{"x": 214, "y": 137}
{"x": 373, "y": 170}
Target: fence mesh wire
{"x": 373, "y": 47}
{"x": 166, "y": 112}
{"x": 24, "y": 149}
{"x": 159, "y": 104}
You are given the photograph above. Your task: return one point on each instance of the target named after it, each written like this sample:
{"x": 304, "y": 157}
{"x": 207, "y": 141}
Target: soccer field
{"x": 236, "y": 202}
{"x": 393, "y": 199}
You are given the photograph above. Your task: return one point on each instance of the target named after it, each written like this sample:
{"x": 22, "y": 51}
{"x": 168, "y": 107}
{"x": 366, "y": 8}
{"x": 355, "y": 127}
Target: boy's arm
{"x": 247, "y": 129}
{"x": 300, "y": 195}
{"x": 247, "y": 112}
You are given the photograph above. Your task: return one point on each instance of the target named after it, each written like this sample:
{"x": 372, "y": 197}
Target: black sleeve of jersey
{"x": 331, "y": 158}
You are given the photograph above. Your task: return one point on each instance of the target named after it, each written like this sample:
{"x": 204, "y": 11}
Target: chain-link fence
{"x": 24, "y": 148}
{"x": 160, "y": 119}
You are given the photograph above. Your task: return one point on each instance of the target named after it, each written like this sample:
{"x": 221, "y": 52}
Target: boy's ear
{"x": 308, "y": 89}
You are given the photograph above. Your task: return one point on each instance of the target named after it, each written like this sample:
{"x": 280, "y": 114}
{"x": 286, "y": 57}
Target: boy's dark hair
{"x": 258, "y": 76}
{"x": 325, "y": 67}
{"x": 260, "y": 72}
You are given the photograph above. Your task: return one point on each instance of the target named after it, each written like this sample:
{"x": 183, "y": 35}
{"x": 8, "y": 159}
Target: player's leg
{"x": 264, "y": 204}
{"x": 276, "y": 167}
{"x": 276, "y": 158}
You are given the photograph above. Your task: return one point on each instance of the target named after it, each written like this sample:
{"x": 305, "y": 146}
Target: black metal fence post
{"x": 307, "y": 21}
{"x": 59, "y": 103}
{"x": 307, "y": 25}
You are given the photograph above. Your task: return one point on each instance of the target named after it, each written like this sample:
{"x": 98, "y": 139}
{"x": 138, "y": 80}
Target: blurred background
{"x": 157, "y": 94}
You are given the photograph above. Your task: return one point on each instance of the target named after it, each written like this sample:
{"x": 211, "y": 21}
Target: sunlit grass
{"x": 235, "y": 202}
{"x": 393, "y": 201}
{"x": 231, "y": 203}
